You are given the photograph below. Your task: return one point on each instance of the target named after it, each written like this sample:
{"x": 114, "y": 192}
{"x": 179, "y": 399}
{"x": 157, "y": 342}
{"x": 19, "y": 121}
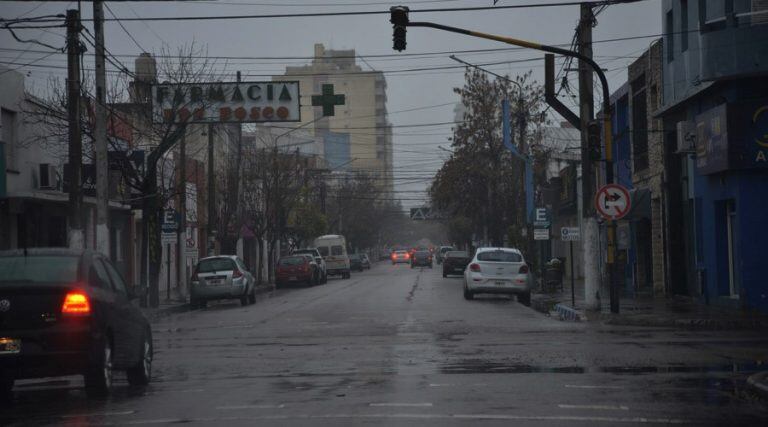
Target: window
{"x": 499, "y": 256}
{"x": 294, "y": 260}
{"x": 97, "y": 277}
{"x": 118, "y": 283}
{"x": 32, "y": 270}
{"x": 337, "y": 250}
{"x": 683, "y": 25}
{"x": 9, "y": 137}
{"x": 670, "y": 39}
{"x": 323, "y": 250}
{"x": 215, "y": 264}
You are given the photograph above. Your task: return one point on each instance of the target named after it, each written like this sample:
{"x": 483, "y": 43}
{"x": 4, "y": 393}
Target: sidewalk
{"x": 675, "y": 312}
{"x": 179, "y": 304}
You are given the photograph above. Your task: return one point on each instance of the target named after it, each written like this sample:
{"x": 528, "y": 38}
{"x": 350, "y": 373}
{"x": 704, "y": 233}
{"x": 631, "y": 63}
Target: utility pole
{"x": 211, "y": 195}
{"x": 75, "y": 238}
{"x": 590, "y": 233}
{"x": 181, "y": 232}
{"x": 100, "y": 135}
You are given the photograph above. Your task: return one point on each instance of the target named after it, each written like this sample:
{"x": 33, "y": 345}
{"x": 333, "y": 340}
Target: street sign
{"x": 541, "y": 234}
{"x": 570, "y": 234}
{"x": 170, "y": 221}
{"x": 612, "y": 201}
{"x": 541, "y": 218}
{"x": 168, "y": 238}
{"x": 419, "y": 214}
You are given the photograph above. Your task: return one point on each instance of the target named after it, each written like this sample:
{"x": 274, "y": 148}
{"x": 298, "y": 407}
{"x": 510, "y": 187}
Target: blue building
{"x": 715, "y": 124}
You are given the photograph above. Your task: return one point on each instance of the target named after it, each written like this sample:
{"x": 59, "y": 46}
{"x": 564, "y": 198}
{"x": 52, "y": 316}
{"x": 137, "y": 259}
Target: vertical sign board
{"x": 541, "y": 234}
{"x": 571, "y": 234}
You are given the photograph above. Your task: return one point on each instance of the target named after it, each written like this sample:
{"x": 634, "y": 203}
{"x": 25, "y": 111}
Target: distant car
{"x": 300, "y": 268}
{"x": 356, "y": 262}
{"x": 421, "y": 259}
{"x": 441, "y": 253}
{"x": 318, "y": 259}
{"x": 455, "y": 262}
{"x": 498, "y": 271}
{"x": 333, "y": 248}
{"x": 365, "y": 261}
{"x": 400, "y": 257}
{"x": 70, "y": 312}
{"x": 221, "y": 277}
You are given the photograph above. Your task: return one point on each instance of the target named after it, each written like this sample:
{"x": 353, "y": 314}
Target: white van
{"x": 333, "y": 248}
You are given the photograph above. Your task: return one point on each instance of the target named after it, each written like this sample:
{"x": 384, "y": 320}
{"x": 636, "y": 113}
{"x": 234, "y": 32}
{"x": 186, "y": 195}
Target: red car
{"x": 297, "y": 269}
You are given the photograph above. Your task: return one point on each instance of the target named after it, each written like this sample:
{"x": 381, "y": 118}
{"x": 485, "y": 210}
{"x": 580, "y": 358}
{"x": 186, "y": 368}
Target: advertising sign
{"x": 235, "y": 102}
{"x": 712, "y": 140}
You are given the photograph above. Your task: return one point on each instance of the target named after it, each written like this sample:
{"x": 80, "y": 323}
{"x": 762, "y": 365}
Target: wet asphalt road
{"x": 396, "y": 346}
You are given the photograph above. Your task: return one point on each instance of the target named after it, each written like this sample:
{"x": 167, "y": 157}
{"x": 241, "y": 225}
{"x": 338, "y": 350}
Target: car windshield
{"x": 215, "y": 264}
{"x": 38, "y": 269}
{"x": 457, "y": 254}
{"x": 323, "y": 250}
{"x": 499, "y": 256}
{"x": 337, "y": 250}
{"x": 354, "y": 257}
{"x": 293, "y": 260}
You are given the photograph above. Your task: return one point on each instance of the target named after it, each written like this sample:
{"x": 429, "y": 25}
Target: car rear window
{"x": 337, "y": 250}
{"x": 354, "y": 256}
{"x": 323, "y": 250}
{"x": 457, "y": 254}
{"x": 293, "y": 260}
{"x": 444, "y": 250}
{"x": 38, "y": 269}
{"x": 499, "y": 256}
{"x": 215, "y": 264}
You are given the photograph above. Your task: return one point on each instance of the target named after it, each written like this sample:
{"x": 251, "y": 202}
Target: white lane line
{"x": 231, "y": 407}
{"x": 403, "y": 405}
{"x": 613, "y": 387}
{"x": 504, "y": 417}
{"x": 97, "y": 414}
{"x": 441, "y": 385}
{"x": 602, "y": 407}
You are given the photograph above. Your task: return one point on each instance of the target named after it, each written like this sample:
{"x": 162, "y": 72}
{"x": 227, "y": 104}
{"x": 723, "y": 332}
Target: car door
{"x": 246, "y": 273}
{"x": 109, "y": 317}
{"x": 130, "y": 322}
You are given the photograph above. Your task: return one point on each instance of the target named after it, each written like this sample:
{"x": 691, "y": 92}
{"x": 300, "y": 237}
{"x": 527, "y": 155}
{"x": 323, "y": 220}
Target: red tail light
{"x": 474, "y": 267}
{"x": 524, "y": 269}
{"x": 394, "y": 256}
{"x": 236, "y": 274}
{"x": 76, "y": 303}
{"x": 407, "y": 256}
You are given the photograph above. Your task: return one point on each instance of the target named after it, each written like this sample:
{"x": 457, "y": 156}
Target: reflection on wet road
{"x": 400, "y": 346}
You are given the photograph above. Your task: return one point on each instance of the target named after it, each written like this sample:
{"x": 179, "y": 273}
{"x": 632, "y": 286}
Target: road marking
{"x": 603, "y": 407}
{"x": 503, "y": 417}
{"x": 593, "y": 386}
{"x": 406, "y": 405}
{"x": 226, "y": 408}
{"x": 441, "y": 385}
{"x": 98, "y": 414}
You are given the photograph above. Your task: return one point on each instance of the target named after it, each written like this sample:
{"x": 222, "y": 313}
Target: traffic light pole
{"x": 399, "y": 19}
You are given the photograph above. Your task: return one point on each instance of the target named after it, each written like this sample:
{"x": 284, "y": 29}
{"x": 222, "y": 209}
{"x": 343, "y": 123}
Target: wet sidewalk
{"x": 672, "y": 312}
{"x": 180, "y": 303}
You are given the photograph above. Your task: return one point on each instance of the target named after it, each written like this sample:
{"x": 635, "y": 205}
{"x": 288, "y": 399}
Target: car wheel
{"x": 252, "y": 296}
{"x": 140, "y": 374}
{"x": 468, "y": 295}
{"x": 444, "y": 274}
{"x": 524, "y": 299}
{"x": 244, "y": 300}
{"x": 6, "y": 385}
{"x": 98, "y": 378}
{"x": 202, "y": 304}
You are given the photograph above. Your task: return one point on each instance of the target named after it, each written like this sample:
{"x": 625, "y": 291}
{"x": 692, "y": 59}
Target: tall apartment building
{"x": 359, "y": 136}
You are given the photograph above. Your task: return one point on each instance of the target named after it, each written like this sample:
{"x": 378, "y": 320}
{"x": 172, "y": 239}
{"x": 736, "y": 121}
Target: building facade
{"x": 358, "y": 135}
{"x": 715, "y": 122}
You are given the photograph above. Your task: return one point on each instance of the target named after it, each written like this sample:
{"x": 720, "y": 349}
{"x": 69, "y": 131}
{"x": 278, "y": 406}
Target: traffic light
{"x": 594, "y": 141}
{"x": 399, "y": 19}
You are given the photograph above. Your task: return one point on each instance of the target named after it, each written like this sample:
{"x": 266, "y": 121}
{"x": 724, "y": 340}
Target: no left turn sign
{"x": 612, "y": 201}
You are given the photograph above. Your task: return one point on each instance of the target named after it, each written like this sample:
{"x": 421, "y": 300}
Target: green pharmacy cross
{"x": 327, "y": 100}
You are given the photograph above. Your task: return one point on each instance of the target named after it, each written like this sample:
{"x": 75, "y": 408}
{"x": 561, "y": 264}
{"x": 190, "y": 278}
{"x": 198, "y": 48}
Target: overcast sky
{"x": 416, "y": 153}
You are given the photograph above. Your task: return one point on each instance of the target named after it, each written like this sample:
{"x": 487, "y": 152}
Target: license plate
{"x": 215, "y": 282}
{"x": 10, "y": 346}
{"x": 293, "y": 278}
{"x": 500, "y": 283}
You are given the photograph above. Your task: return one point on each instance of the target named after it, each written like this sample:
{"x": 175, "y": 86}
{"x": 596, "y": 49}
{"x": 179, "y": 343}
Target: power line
{"x": 124, "y": 29}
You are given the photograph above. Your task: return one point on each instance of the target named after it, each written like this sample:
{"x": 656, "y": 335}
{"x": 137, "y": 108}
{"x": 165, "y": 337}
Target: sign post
{"x": 612, "y": 203}
{"x": 571, "y": 234}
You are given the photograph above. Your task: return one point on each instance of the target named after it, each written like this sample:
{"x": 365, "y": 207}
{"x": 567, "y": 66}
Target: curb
{"x": 156, "y": 313}
{"x": 759, "y": 382}
{"x": 689, "y": 324}
{"x": 567, "y": 313}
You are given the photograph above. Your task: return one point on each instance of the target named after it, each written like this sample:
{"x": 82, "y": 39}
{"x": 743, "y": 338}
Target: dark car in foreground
{"x": 421, "y": 259}
{"x": 297, "y": 269}
{"x": 69, "y": 312}
{"x": 455, "y": 262}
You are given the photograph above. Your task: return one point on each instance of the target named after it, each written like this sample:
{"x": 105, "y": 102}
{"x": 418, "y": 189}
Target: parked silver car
{"x": 221, "y": 277}
{"x": 498, "y": 271}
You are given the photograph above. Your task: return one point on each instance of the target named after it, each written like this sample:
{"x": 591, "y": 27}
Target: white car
{"x": 498, "y": 271}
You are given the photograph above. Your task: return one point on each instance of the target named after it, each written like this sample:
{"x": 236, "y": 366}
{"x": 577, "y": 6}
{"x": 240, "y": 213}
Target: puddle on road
{"x": 487, "y": 367}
